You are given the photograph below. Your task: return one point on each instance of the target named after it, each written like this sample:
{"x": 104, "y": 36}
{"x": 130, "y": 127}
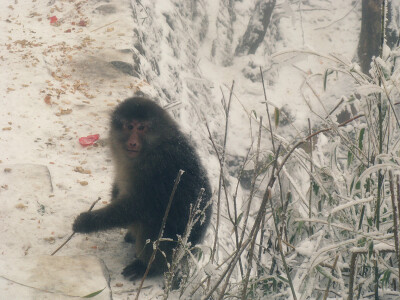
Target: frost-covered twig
{"x": 311, "y": 180}
{"x": 261, "y": 213}
{"x": 234, "y": 220}
{"x": 351, "y": 203}
{"x": 179, "y": 252}
{"x": 222, "y": 165}
{"x": 228, "y": 270}
{"x": 330, "y": 280}
{"x": 267, "y": 198}
{"x": 236, "y": 223}
{"x": 251, "y": 253}
{"x": 330, "y": 128}
{"x": 395, "y": 220}
{"x": 336, "y": 107}
{"x": 274, "y": 150}
{"x": 352, "y": 274}
{"x": 398, "y": 211}
{"x": 285, "y": 52}
{"x": 382, "y": 78}
{"x": 253, "y": 182}
{"x": 341, "y": 18}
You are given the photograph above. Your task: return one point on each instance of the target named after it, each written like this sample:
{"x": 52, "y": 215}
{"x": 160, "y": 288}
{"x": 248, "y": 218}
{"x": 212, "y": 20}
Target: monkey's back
{"x": 160, "y": 168}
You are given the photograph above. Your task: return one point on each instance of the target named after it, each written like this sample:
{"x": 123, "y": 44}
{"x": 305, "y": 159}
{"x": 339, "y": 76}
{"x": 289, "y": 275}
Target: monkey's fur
{"x": 143, "y": 185}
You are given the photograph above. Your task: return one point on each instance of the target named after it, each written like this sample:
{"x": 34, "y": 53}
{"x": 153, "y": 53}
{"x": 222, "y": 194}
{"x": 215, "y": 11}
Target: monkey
{"x": 148, "y": 150}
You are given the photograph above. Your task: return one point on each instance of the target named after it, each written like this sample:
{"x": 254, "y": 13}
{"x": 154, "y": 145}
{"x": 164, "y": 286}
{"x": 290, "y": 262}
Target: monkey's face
{"x": 134, "y": 133}
{"x": 139, "y": 129}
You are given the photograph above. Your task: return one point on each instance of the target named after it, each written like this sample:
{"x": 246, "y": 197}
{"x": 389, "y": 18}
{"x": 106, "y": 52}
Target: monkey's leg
{"x": 144, "y": 251}
{"x": 137, "y": 268}
{"x": 117, "y": 214}
{"x": 130, "y": 235}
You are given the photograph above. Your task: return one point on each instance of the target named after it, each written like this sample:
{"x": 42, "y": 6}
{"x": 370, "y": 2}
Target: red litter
{"x": 89, "y": 140}
{"x": 53, "y": 19}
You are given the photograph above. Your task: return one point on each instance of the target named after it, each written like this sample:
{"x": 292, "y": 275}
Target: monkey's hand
{"x": 85, "y": 223}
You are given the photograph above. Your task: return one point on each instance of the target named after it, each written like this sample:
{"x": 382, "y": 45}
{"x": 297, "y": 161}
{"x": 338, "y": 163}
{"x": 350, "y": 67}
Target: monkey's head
{"x": 138, "y": 127}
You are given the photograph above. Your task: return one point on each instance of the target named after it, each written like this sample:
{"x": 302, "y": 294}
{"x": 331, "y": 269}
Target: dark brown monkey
{"x": 148, "y": 151}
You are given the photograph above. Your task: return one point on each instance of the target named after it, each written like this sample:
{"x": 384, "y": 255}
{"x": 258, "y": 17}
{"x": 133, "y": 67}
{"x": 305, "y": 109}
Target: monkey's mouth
{"x": 132, "y": 152}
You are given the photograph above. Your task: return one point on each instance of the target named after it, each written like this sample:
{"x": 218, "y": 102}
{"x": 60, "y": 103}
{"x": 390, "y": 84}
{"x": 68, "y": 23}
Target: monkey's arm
{"x": 116, "y": 214}
{"x": 115, "y": 191}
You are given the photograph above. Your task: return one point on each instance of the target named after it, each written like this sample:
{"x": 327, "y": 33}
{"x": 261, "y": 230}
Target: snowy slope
{"x": 61, "y": 80}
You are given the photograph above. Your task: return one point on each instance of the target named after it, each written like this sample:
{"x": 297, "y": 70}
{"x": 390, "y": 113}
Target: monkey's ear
{"x": 117, "y": 122}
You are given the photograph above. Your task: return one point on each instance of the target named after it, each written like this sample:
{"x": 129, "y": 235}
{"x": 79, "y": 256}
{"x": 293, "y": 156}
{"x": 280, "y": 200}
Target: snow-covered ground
{"x": 58, "y": 84}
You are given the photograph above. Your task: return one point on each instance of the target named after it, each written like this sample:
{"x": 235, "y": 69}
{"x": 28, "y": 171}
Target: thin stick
{"x": 70, "y": 237}
{"x": 268, "y": 198}
{"x": 236, "y": 223}
{"x": 386, "y": 91}
{"x": 340, "y": 125}
{"x": 326, "y": 294}
{"x": 228, "y": 271}
{"x": 104, "y": 26}
{"x": 341, "y": 18}
{"x": 337, "y": 105}
{"x": 352, "y": 274}
{"x": 253, "y": 183}
{"x": 178, "y": 253}
{"x": 160, "y": 234}
{"x": 223, "y": 182}
{"x": 311, "y": 180}
{"x": 221, "y": 174}
{"x": 251, "y": 252}
{"x": 256, "y": 226}
{"x": 274, "y": 150}
{"x": 398, "y": 208}
{"x": 395, "y": 224}
{"x": 266, "y": 105}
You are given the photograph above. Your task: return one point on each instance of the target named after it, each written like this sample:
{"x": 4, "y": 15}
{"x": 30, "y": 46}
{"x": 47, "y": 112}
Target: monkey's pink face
{"x": 135, "y": 131}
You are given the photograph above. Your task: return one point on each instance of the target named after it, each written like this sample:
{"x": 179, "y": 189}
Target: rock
{"x": 124, "y": 68}
{"x": 20, "y": 176}
{"x": 53, "y": 277}
{"x": 106, "y": 9}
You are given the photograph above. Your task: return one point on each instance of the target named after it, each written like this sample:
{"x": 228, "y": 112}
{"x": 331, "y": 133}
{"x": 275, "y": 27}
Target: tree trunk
{"x": 392, "y": 27}
{"x": 371, "y": 33}
{"x": 256, "y": 28}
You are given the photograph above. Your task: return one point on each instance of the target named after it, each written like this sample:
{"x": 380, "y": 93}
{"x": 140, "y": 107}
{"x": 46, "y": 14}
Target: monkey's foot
{"x": 129, "y": 238}
{"x": 134, "y": 270}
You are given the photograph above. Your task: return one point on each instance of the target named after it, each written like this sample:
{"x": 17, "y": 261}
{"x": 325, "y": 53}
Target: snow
{"x": 71, "y": 64}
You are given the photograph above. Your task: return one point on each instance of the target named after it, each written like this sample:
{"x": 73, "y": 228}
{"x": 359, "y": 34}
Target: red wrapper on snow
{"x": 89, "y": 140}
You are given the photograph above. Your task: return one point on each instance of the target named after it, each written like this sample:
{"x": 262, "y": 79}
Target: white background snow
{"x": 57, "y": 85}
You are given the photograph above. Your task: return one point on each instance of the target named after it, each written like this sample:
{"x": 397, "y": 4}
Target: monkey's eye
{"x": 141, "y": 127}
{"x": 128, "y": 126}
